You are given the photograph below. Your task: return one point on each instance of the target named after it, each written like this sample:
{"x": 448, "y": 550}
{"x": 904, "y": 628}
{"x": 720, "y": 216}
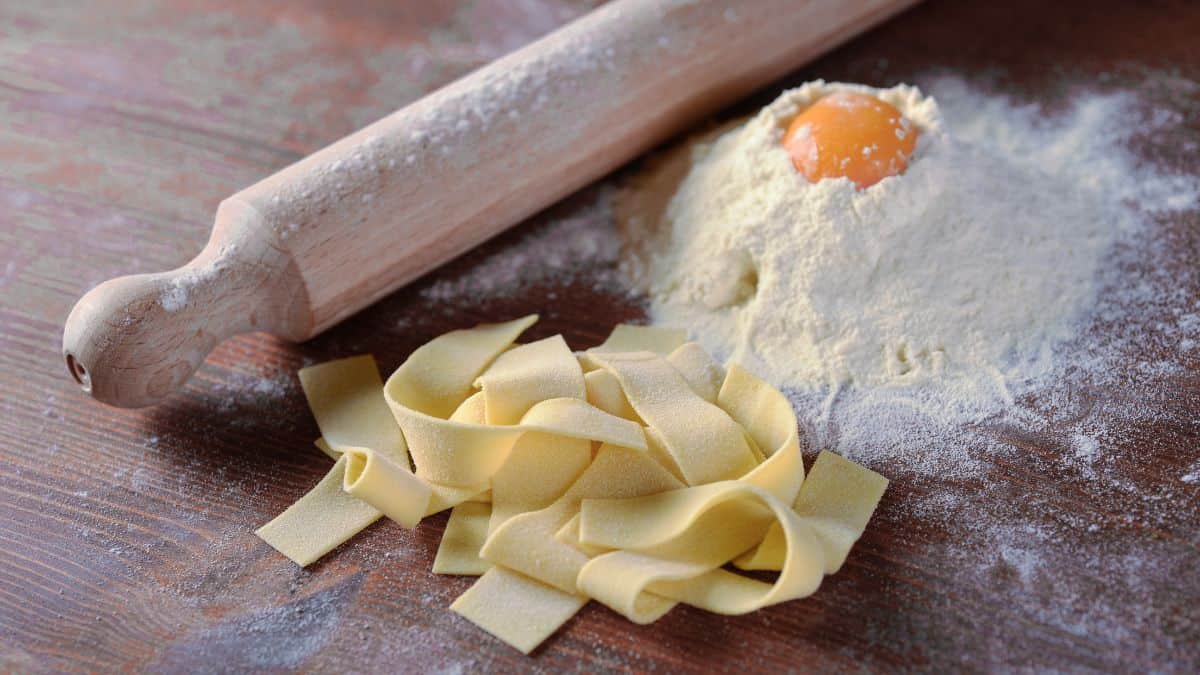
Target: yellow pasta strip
{"x": 705, "y": 444}
{"x": 345, "y": 399}
{"x": 319, "y": 521}
{"x": 437, "y": 377}
{"x": 627, "y": 338}
{"x": 618, "y": 579}
{"x": 687, "y": 530}
{"x": 569, "y": 534}
{"x": 837, "y": 500}
{"x": 538, "y": 470}
{"x": 433, "y": 384}
{"x": 443, "y": 497}
{"x": 539, "y": 466}
{"x": 526, "y": 375}
{"x": 329, "y": 452}
{"x": 471, "y": 411}
{"x": 446, "y": 496}
{"x": 604, "y": 392}
{"x": 380, "y": 482}
{"x": 466, "y": 530}
{"x": 702, "y": 373}
{"x": 526, "y": 542}
{"x": 759, "y": 457}
{"x": 669, "y": 551}
{"x": 767, "y": 417}
{"x": 459, "y": 453}
{"x": 573, "y": 418}
{"x": 515, "y": 608}
{"x": 656, "y": 447}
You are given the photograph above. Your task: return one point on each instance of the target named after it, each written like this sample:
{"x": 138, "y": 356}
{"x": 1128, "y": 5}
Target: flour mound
{"x": 966, "y": 269}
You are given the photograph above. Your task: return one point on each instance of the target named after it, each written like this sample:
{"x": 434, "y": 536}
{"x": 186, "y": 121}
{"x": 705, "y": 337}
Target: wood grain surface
{"x": 126, "y": 537}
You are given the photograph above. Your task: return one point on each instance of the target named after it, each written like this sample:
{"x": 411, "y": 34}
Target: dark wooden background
{"x": 126, "y": 537}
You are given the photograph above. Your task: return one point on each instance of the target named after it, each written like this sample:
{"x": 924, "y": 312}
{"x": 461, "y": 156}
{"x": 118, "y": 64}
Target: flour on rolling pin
{"x": 329, "y": 235}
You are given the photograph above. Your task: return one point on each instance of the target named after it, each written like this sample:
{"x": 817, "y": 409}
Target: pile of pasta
{"x": 640, "y": 473}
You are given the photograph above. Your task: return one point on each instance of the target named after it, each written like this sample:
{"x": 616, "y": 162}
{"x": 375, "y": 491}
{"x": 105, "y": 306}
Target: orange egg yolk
{"x": 850, "y": 135}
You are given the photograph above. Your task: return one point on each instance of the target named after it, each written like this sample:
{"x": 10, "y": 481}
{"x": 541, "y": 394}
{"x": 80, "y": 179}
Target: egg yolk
{"x": 850, "y": 135}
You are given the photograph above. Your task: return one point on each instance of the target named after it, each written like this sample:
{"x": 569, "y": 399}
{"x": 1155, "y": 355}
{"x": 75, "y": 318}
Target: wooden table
{"x": 126, "y": 536}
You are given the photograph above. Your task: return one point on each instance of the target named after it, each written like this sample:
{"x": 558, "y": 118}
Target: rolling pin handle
{"x": 134, "y": 340}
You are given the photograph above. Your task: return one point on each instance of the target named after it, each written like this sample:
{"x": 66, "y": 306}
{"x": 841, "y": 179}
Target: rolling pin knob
{"x": 134, "y": 340}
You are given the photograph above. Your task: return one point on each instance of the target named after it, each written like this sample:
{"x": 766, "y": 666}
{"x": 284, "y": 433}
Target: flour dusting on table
{"x": 580, "y": 246}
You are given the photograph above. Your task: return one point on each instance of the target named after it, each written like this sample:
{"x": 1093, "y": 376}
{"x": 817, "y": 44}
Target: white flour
{"x": 967, "y": 269}
{"x": 978, "y": 291}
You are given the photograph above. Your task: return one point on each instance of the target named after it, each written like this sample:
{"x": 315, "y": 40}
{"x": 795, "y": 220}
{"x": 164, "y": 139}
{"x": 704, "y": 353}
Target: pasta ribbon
{"x": 387, "y": 486}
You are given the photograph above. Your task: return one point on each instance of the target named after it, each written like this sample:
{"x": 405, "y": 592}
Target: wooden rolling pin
{"x": 305, "y": 248}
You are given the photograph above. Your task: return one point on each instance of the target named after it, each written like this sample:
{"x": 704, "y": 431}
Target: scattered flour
{"x": 579, "y": 246}
{"x": 175, "y": 297}
{"x": 177, "y": 291}
{"x": 1193, "y": 477}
